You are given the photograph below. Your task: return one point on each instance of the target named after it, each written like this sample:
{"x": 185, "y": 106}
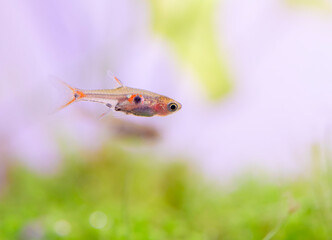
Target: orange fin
{"x": 76, "y": 94}
{"x": 65, "y": 105}
{"x": 112, "y": 76}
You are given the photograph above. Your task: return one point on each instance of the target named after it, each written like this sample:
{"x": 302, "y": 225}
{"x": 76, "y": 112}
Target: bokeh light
{"x": 98, "y": 219}
{"x": 62, "y": 228}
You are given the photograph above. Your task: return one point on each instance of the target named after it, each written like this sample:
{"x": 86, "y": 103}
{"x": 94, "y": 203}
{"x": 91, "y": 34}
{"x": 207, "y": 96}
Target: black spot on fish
{"x": 137, "y": 99}
{"x": 117, "y": 108}
{"x": 76, "y": 95}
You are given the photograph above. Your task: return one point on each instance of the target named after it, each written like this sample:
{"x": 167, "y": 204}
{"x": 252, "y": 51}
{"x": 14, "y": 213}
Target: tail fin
{"x": 76, "y": 94}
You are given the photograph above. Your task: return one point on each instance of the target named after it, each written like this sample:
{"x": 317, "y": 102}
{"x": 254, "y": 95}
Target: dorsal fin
{"x": 113, "y": 77}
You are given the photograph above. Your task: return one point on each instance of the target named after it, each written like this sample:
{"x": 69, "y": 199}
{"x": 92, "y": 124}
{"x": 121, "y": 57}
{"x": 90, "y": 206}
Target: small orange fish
{"x": 128, "y": 100}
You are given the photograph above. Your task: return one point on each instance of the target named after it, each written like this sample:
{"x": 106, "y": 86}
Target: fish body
{"x": 128, "y": 100}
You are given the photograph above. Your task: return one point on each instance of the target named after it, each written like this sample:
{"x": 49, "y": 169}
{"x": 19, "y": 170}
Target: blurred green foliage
{"x": 190, "y": 26}
{"x": 321, "y": 4}
{"x": 145, "y": 198}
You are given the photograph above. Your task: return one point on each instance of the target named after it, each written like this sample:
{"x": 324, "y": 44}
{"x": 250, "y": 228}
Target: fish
{"x": 131, "y": 101}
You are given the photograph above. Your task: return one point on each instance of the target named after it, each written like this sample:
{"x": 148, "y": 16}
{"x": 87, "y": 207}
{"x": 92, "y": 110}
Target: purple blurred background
{"x": 278, "y": 54}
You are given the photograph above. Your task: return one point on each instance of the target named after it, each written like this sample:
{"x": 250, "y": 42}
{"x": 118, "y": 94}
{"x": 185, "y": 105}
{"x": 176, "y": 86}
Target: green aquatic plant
{"x": 113, "y": 194}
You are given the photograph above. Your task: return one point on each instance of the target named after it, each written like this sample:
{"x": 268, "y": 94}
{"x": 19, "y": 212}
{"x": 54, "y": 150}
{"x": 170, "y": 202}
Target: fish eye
{"x": 172, "y": 107}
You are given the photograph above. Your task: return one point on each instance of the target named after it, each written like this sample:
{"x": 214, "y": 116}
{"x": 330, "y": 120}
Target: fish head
{"x": 147, "y": 104}
{"x": 164, "y": 106}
